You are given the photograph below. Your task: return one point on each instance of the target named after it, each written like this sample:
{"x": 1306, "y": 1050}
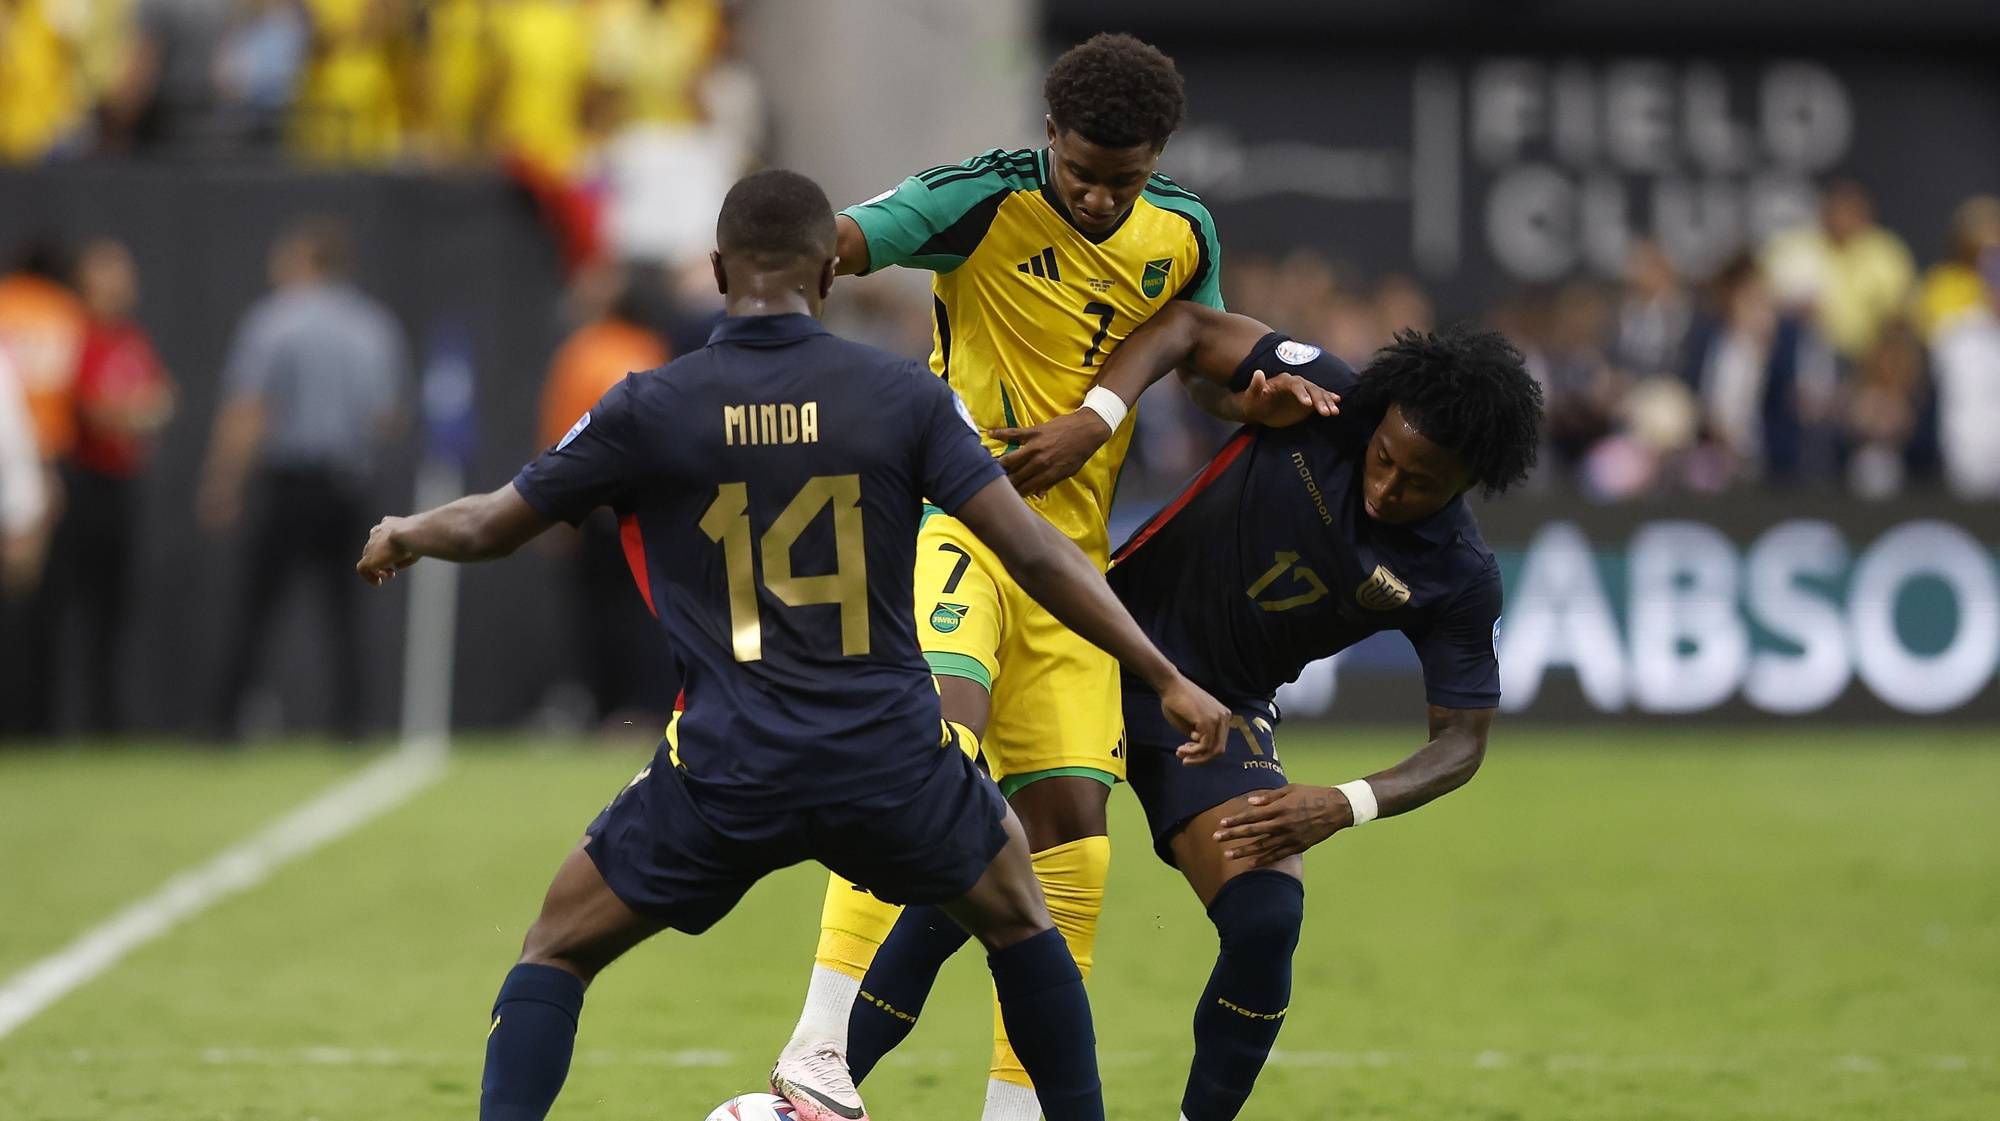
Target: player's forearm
{"x": 467, "y": 530}
{"x": 1057, "y": 574}
{"x": 1214, "y": 399}
{"x": 1206, "y": 344}
{"x": 1447, "y": 762}
{"x": 1149, "y": 353}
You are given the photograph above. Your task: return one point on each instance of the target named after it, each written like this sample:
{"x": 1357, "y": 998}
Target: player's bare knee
{"x": 583, "y": 965}
{"x": 1021, "y": 916}
{"x": 563, "y": 946}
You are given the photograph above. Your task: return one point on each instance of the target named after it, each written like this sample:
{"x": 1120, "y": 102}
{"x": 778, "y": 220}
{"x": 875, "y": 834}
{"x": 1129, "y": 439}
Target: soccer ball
{"x": 753, "y": 1107}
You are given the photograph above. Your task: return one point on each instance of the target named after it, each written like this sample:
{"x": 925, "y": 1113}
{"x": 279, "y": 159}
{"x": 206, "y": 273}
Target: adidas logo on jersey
{"x": 1042, "y": 264}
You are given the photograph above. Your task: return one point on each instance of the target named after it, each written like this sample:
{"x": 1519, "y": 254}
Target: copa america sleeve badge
{"x": 1294, "y": 353}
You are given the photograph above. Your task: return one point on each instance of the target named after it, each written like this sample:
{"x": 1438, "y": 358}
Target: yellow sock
{"x": 852, "y": 925}
{"x": 1072, "y": 878}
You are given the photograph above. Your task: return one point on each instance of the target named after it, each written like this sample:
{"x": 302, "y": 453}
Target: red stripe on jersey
{"x": 1228, "y": 455}
{"x": 635, "y": 558}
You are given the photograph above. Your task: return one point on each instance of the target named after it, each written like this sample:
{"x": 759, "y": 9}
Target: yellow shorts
{"x": 1055, "y": 699}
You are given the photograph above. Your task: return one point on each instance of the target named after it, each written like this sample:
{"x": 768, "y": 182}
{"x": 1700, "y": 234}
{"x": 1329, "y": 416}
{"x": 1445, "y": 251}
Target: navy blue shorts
{"x": 1174, "y": 793}
{"x": 675, "y": 856}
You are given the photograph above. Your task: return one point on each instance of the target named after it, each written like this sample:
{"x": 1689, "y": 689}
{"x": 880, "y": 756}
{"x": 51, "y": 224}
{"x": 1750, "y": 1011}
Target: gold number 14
{"x": 728, "y": 521}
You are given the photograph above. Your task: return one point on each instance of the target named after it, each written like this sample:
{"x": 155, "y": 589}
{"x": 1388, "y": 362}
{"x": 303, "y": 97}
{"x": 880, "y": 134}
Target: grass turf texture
{"x": 1607, "y": 925}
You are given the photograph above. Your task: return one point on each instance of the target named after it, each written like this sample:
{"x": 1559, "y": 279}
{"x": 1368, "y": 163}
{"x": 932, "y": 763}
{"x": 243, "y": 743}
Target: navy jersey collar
{"x": 754, "y": 329}
{"x": 1441, "y": 527}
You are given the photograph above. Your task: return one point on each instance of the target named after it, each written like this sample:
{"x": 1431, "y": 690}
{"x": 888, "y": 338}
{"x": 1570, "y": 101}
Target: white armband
{"x": 1361, "y": 796}
{"x": 1106, "y": 404}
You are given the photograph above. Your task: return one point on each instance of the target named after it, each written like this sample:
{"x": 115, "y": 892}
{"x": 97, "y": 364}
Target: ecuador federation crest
{"x": 1382, "y": 591}
{"x": 948, "y": 616}
{"x": 1154, "y": 281}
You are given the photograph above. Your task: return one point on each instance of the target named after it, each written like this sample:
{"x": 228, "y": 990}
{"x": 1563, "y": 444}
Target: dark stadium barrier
{"x": 452, "y": 256}
{"x": 1754, "y": 604}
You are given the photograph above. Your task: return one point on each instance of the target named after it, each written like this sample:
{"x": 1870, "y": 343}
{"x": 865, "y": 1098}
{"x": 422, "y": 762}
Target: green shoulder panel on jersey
{"x": 1205, "y": 286}
{"x": 936, "y": 218}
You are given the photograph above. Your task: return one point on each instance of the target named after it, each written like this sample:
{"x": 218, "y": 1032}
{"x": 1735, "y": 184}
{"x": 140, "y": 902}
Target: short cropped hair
{"x": 1116, "y": 92}
{"x": 1465, "y": 390}
{"x": 776, "y": 219}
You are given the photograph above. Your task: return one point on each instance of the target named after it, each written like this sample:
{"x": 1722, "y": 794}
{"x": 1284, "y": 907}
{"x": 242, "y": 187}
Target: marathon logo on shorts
{"x": 1382, "y": 591}
{"x": 948, "y": 616}
{"x": 1154, "y": 281}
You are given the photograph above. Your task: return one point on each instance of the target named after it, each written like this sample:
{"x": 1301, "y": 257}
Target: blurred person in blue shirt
{"x": 312, "y": 388}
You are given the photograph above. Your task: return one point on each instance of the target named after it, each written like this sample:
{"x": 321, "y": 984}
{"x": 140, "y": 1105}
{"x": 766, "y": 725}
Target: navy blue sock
{"x": 1257, "y": 915}
{"x": 899, "y": 980}
{"x": 529, "y": 1045}
{"x": 1048, "y": 1021}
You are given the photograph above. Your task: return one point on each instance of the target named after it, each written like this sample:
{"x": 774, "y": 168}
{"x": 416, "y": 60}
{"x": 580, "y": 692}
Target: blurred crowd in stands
{"x": 1822, "y": 357}
{"x": 625, "y": 117}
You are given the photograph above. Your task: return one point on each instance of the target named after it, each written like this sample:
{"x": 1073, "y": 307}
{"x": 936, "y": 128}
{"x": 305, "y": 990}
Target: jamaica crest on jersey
{"x": 1382, "y": 591}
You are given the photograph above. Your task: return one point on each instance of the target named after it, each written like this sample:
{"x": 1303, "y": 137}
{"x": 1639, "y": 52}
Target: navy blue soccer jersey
{"x": 1267, "y": 561}
{"x": 771, "y": 485}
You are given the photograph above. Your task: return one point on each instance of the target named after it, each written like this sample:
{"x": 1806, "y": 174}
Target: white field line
{"x": 339, "y": 810}
{"x": 1540, "y": 1062}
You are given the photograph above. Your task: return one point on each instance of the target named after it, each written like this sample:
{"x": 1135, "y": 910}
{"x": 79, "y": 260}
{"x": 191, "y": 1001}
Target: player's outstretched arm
{"x": 1207, "y": 345}
{"x": 475, "y": 528}
{"x": 1287, "y": 821}
{"x": 1053, "y": 570}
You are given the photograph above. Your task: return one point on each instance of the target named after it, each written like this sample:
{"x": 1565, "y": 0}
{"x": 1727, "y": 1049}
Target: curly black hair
{"x": 1466, "y": 390}
{"x": 1116, "y": 91}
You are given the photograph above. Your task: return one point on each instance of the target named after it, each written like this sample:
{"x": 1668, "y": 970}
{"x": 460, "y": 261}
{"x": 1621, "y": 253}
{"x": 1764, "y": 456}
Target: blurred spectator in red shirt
{"x": 123, "y": 399}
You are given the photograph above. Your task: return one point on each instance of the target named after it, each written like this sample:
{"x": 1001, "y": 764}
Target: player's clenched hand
{"x": 1051, "y": 451}
{"x": 1200, "y": 717}
{"x": 383, "y": 556}
{"x": 1284, "y": 822}
{"x": 1284, "y": 400}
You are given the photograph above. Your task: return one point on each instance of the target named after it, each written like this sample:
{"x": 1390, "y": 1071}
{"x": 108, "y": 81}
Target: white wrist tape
{"x": 1361, "y": 796}
{"x": 1106, "y": 404}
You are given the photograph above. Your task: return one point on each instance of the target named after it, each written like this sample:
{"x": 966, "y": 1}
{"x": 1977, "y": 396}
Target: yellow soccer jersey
{"x": 1027, "y": 307}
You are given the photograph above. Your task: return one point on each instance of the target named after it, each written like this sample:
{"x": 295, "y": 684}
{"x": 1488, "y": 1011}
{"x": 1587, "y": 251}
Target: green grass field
{"x": 1701, "y": 925}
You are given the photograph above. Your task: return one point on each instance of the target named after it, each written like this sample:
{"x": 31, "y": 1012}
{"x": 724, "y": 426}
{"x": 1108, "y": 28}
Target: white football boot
{"x": 817, "y": 1083}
